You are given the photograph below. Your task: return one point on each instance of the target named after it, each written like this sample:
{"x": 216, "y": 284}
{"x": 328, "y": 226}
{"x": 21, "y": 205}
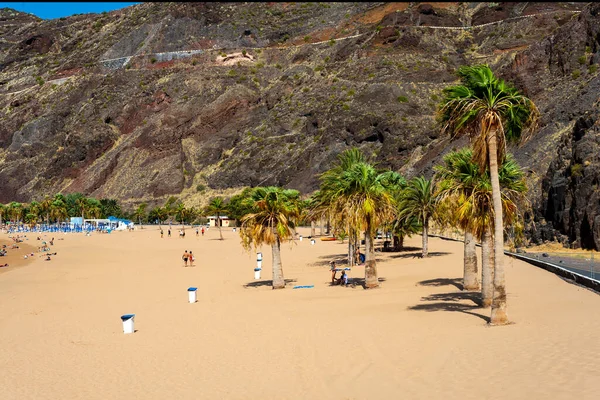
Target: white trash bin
{"x": 128, "y": 323}
{"x": 258, "y": 256}
{"x": 312, "y": 241}
{"x": 192, "y": 294}
{"x": 300, "y": 237}
{"x": 257, "y": 273}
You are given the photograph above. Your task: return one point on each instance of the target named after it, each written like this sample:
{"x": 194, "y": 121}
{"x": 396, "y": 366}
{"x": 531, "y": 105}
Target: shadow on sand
{"x": 443, "y": 282}
{"x": 360, "y": 281}
{"x": 403, "y": 250}
{"x": 266, "y": 283}
{"x": 418, "y": 254}
{"x": 450, "y": 301}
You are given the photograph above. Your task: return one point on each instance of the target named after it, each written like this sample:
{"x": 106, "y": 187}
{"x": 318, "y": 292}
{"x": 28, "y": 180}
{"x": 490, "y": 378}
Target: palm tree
{"x": 402, "y": 227}
{"x": 463, "y": 185}
{"x": 274, "y": 210}
{"x": 140, "y": 212}
{"x": 457, "y": 179}
{"x": 58, "y": 210}
{"x": 2, "y": 213}
{"x": 32, "y": 213}
{"x": 94, "y": 208}
{"x": 324, "y": 201}
{"x": 361, "y": 197}
{"x": 45, "y": 206}
{"x": 15, "y": 211}
{"x": 491, "y": 112}
{"x": 419, "y": 201}
{"x": 82, "y": 205}
{"x": 217, "y": 207}
{"x": 110, "y": 207}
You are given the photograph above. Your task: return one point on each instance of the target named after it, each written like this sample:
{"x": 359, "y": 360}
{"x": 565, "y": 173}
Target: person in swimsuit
{"x": 161, "y": 233}
{"x": 169, "y": 232}
{"x": 191, "y": 259}
{"x": 202, "y": 231}
{"x": 185, "y": 257}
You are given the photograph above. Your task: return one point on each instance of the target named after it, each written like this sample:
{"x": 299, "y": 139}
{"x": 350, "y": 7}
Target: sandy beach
{"x": 416, "y": 337}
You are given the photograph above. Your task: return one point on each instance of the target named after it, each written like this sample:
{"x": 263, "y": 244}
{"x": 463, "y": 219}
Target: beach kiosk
{"x": 223, "y": 220}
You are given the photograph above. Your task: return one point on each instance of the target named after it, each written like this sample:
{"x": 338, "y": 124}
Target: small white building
{"x": 223, "y": 219}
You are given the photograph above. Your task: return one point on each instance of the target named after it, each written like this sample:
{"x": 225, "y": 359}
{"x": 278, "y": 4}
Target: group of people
{"x": 181, "y": 233}
{"x": 342, "y": 280}
{"x": 188, "y": 257}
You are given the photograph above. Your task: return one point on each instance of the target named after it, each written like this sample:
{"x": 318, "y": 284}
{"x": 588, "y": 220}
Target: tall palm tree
{"x": 217, "y": 207}
{"x": 470, "y": 191}
{"x": 272, "y": 220}
{"x": 491, "y": 112}
{"x": 2, "y": 213}
{"x": 419, "y": 201}
{"x": 457, "y": 179}
{"x": 45, "y": 206}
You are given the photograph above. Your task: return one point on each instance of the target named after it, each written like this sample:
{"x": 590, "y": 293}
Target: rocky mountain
{"x": 193, "y": 99}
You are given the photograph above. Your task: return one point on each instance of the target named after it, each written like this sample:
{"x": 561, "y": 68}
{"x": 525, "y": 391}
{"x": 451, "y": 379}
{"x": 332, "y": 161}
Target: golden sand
{"x": 416, "y": 337}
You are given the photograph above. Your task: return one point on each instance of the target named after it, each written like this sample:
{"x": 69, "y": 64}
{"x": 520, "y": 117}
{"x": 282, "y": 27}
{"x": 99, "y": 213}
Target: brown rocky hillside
{"x": 191, "y": 99}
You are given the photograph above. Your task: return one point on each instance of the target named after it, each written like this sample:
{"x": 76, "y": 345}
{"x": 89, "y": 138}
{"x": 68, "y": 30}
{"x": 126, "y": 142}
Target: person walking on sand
{"x": 169, "y": 232}
{"x": 202, "y": 231}
{"x": 185, "y": 257}
{"x": 161, "y": 233}
{"x": 192, "y": 259}
{"x": 196, "y": 232}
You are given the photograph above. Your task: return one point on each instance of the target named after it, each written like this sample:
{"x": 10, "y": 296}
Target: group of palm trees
{"x": 480, "y": 190}
{"x": 58, "y": 208}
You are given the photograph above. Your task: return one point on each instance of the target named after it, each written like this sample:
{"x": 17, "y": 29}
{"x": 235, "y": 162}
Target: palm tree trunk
{"x": 278, "y": 281}
{"x": 312, "y": 229}
{"x": 470, "y": 281}
{"x": 371, "y": 279}
{"x": 498, "y": 316}
{"x": 425, "y": 243}
{"x": 321, "y": 227}
{"x": 487, "y": 267}
{"x": 219, "y": 225}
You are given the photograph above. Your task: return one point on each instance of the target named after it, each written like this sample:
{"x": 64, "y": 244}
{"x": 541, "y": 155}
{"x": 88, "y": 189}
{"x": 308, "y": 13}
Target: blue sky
{"x": 57, "y": 10}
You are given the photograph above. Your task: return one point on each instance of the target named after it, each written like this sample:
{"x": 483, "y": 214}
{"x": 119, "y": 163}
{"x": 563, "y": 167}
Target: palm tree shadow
{"x": 418, "y": 254}
{"x": 402, "y": 250}
{"x": 265, "y": 283}
{"x": 340, "y": 259}
{"x": 361, "y": 281}
{"x": 449, "y": 301}
{"x": 443, "y": 282}
{"x": 452, "y": 307}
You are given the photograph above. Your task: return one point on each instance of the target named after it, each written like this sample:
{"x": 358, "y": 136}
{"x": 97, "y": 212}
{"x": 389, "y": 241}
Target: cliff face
{"x": 166, "y": 99}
